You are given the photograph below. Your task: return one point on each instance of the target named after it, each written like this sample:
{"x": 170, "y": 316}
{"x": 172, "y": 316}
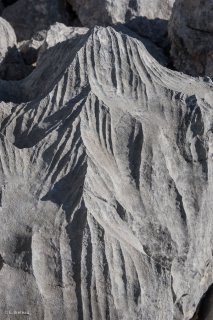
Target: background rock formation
{"x": 102, "y": 12}
{"x": 106, "y": 185}
{"x": 191, "y": 34}
{"x": 28, "y": 16}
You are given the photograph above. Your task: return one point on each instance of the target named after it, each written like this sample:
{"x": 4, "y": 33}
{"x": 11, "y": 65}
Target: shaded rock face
{"x": 205, "y": 308}
{"x": 102, "y": 12}
{"x": 106, "y": 185}
{"x": 191, "y": 34}
{"x": 12, "y": 65}
{"x": 28, "y": 16}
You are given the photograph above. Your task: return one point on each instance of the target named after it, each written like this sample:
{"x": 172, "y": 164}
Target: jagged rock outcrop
{"x": 102, "y": 12}
{"x": 29, "y": 17}
{"x": 106, "y": 185}
{"x": 191, "y": 34}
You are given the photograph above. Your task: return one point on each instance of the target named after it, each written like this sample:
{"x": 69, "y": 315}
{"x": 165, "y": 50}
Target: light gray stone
{"x": 7, "y": 38}
{"x": 102, "y": 12}
{"x": 106, "y": 185}
{"x": 191, "y": 34}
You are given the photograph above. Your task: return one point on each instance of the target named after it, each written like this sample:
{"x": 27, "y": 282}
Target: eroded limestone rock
{"x": 106, "y": 185}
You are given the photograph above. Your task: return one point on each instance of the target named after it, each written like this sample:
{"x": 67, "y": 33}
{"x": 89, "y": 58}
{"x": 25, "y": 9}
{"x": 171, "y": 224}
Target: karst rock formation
{"x": 106, "y": 168}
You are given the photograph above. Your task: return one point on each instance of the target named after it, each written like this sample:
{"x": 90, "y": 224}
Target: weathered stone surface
{"x": 102, "y": 12}
{"x": 106, "y": 185}
{"x": 28, "y": 16}
{"x": 191, "y": 34}
{"x": 59, "y": 33}
{"x": 7, "y": 38}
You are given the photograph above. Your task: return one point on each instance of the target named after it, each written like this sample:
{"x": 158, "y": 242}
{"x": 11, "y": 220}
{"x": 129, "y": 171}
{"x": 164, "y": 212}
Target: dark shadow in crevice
{"x": 155, "y": 30}
{"x": 7, "y": 3}
{"x": 73, "y": 17}
{"x": 1, "y": 262}
{"x": 23, "y": 253}
{"x": 75, "y": 231}
{"x": 205, "y": 307}
{"x": 13, "y": 66}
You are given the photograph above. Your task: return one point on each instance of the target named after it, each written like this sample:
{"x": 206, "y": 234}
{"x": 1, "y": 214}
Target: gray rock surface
{"x": 103, "y": 12}
{"x": 28, "y": 16}
{"x": 106, "y": 162}
{"x": 191, "y": 34}
{"x": 58, "y": 33}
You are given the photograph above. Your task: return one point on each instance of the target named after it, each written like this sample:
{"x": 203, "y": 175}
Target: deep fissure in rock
{"x": 205, "y": 308}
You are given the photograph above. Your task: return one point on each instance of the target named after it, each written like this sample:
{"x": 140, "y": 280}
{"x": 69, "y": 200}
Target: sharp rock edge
{"x": 106, "y": 162}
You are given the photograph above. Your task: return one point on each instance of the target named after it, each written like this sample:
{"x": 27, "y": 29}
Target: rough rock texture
{"x": 103, "y": 12}
{"x": 106, "y": 162}
{"x": 59, "y": 33}
{"x": 191, "y": 34}
{"x": 28, "y": 16}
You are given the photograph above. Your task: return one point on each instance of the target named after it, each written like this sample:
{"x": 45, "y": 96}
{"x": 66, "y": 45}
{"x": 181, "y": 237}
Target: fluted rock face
{"x": 106, "y": 185}
{"x": 191, "y": 33}
{"x": 102, "y": 12}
